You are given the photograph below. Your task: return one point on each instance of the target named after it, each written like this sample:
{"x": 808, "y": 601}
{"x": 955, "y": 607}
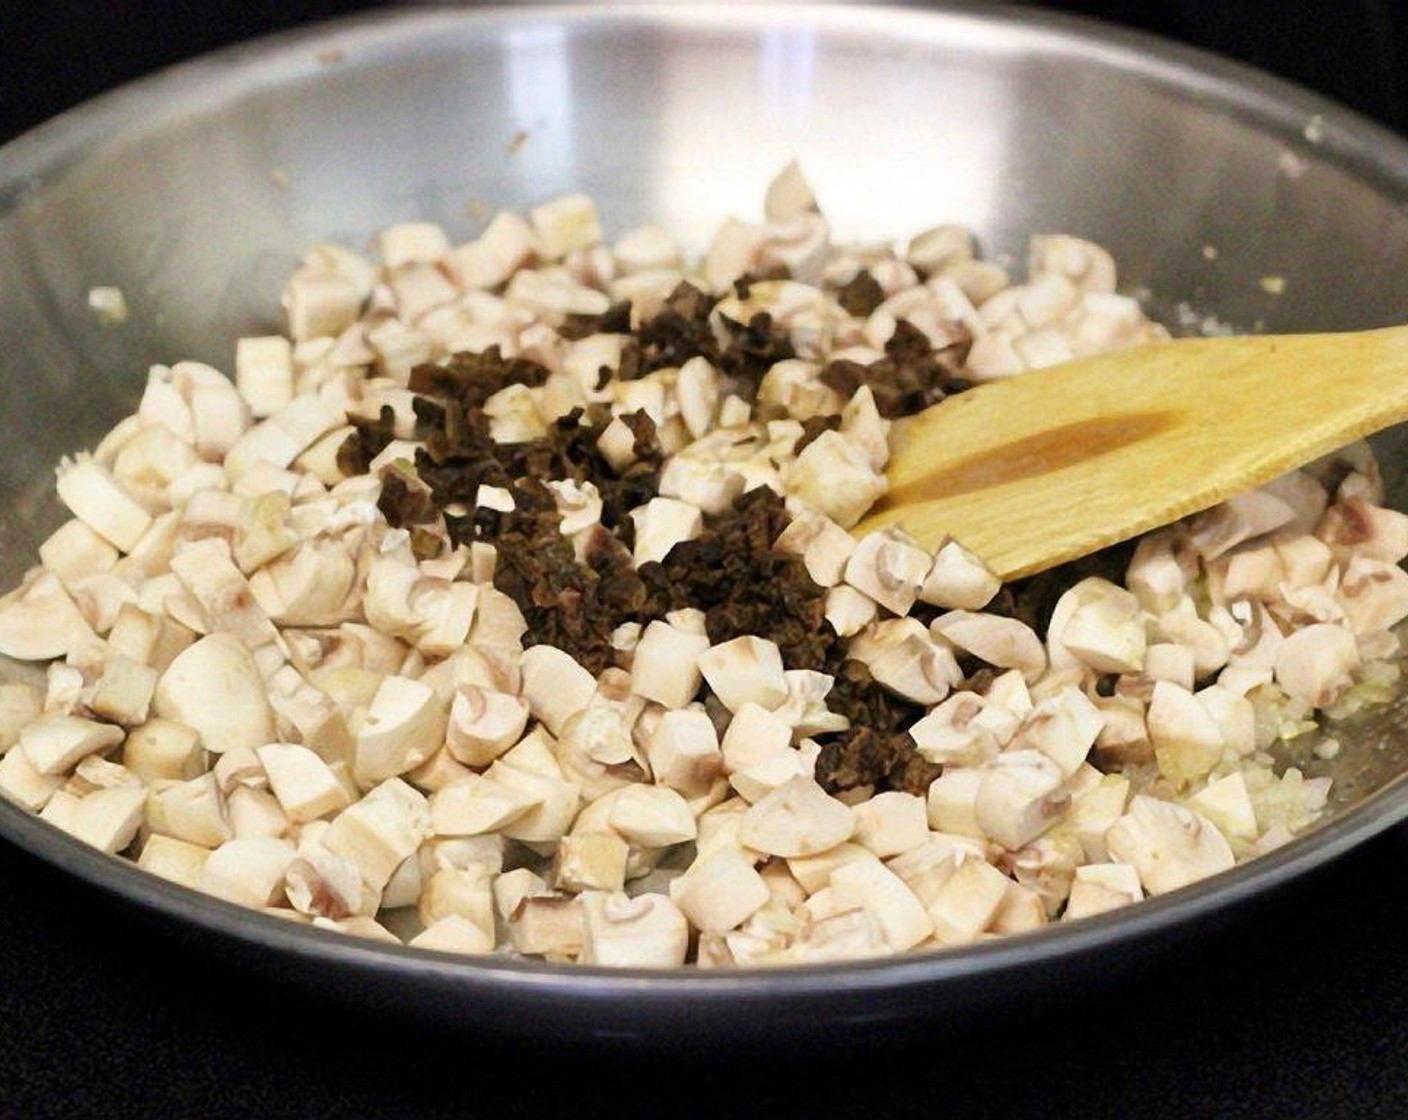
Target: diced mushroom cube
{"x": 1187, "y": 739}
{"x": 967, "y": 901}
{"x": 463, "y": 891}
{"x": 94, "y": 496}
{"x": 823, "y": 545}
{"x": 215, "y": 687}
{"x": 1005, "y": 642}
{"x": 1316, "y": 664}
{"x": 39, "y": 620}
{"x": 1099, "y": 887}
{"x": 745, "y": 670}
{"x": 123, "y": 693}
{"x": 719, "y": 891}
{"x": 666, "y": 664}
{"x": 834, "y": 476}
{"x": 1094, "y": 810}
{"x": 379, "y": 831}
{"x": 192, "y": 810}
{"x": 555, "y": 686}
{"x": 264, "y": 373}
{"x": 55, "y": 744}
{"x": 565, "y": 223}
{"x": 958, "y": 580}
{"x": 892, "y": 822}
{"x": 647, "y": 931}
{"x": 483, "y": 724}
{"x": 303, "y": 783}
{"x": 404, "y": 725}
{"x": 590, "y": 861}
{"x": 551, "y": 926}
{"x": 797, "y": 819}
{"x": 849, "y": 611}
{"x": 952, "y": 801}
{"x": 551, "y": 819}
{"x": 1062, "y": 727}
{"x": 477, "y": 805}
{"x": 661, "y": 524}
{"x": 173, "y": 859}
{"x": 889, "y": 567}
{"x": 683, "y": 751}
{"x": 1227, "y": 803}
{"x": 108, "y": 819}
{"x": 453, "y": 934}
{"x": 1168, "y": 845}
{"x": 1020, "y": 795}
{"x": 870, "y": 884}
{"x": 248, "y": 870}
{"x": 25, "y": 785}
{"x": 20, "y": 705}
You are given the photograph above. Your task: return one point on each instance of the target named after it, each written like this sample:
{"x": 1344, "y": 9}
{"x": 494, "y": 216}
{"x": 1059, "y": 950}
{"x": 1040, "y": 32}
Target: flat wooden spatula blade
{"x": 1035, "y": 470}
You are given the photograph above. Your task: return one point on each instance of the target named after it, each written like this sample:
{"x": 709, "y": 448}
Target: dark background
{"x": 1297, "y": 1007}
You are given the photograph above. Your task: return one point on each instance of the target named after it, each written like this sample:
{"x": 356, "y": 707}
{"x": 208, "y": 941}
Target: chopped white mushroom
{"x": 1228, "y": 804}
{"x": 908, "y": 662}
{"x": 555, "y": 686}
{"x": 215, "y": 687}
{"x": 1062, "y": 727}
{"x": 823, "y": 545}
{"x": 666, "y": 664}
{"x": 966, "y": 902}
{"x": 683, "y": 751}
{"x": 1187, "y": 739}
{"x": 477, "y": 805}
{"x": 101, "y": 502}
{"x": 849, "y": 611}
{"x": 483, "y": 724}
{"x": 891, "y": 823}
{"x": 1005, "y": 642}
{"x": 558, "y": 799}
{"x": 745, "y": 670}
{"x": 889, "y": 567}
{"x": 952, "y": 801}
{"x": 173, "y": 859}
{"x": 39, "y": 620}
{"x": 1316, "y": 664}
{"x": 248, "y": 871}
{"x": 379, "y": 831}
{"x": 719, "y": 891}
{"x": 303, "y": 783}
{"x": 403, "y": 726}
{"x": 588, "y": 861}
{"x": 54, "y": 744}
{"x": 958, "y": 580}
{"x": 951, "y": 734}
{"x": 796, "y": 819}
{"x": 192, "y": 810}
{"x": 1168, "y": 845}
{"x": 900, "y": 914}
{"x": 834, "y": 476}
{"x": 652, "y": 816}
{"x": 644, "y": 931}
{"x": 1099, "y": 887}
{"x": 1019, "y": 797}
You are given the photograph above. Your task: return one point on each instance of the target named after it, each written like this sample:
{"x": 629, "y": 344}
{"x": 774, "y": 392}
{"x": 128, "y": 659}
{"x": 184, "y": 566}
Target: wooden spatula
{"x": 1054, "y": 464}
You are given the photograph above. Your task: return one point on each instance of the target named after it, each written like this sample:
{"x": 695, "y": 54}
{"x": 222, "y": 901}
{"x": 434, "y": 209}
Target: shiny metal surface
{"x": 193, "y": 191}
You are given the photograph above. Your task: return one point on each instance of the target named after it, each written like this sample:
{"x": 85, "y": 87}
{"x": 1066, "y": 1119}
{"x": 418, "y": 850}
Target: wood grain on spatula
{"x": 1035, "y": 470}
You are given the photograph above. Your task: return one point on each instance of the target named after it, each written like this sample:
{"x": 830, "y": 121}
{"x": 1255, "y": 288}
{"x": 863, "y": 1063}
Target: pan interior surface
{"x": 194, "y": 192}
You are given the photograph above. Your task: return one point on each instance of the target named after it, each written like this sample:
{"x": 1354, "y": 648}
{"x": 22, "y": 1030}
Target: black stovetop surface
{"x": 1296, "y": 1007}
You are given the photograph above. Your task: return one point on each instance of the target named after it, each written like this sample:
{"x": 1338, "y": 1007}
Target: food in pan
{"x": 507, "y": 604}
